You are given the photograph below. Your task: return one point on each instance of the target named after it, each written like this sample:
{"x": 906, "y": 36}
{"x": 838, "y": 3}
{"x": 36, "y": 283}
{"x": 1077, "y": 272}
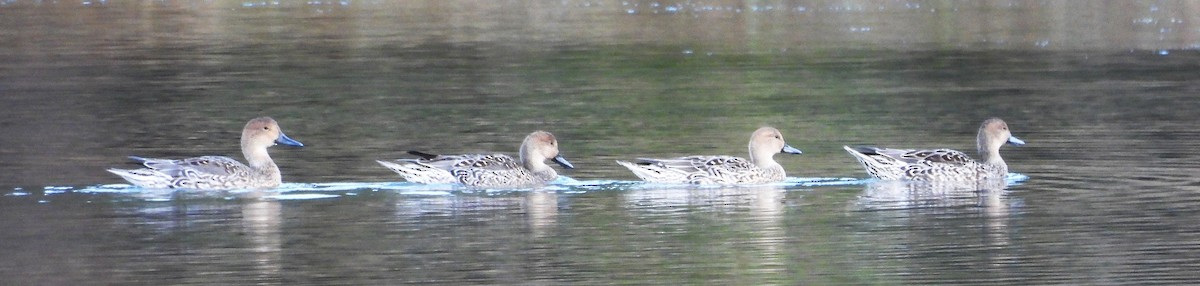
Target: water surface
{"x": 1103, "y": 92}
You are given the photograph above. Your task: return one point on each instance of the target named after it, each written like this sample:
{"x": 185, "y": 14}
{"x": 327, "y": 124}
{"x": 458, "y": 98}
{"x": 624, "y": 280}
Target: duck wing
{"x": 207, "y": 165}
{"x": 947, "y": 156}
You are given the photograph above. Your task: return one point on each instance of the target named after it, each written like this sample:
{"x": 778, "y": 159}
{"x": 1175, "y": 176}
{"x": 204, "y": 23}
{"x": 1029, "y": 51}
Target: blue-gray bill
{"x": 283, "y": 139}
{"x": 563, "y": 162}
{"x": 1013, "y": 140}
{"x": 790, "y": 150}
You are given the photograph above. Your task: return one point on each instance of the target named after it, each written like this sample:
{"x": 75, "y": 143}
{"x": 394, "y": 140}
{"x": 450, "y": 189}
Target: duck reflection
{"x": 261, "y": 221}
{"x": 755, "y": 213}
{"x": 918, "y": 201}
{"x": 899, "y": 194}
{"x": 230, "y": 230}
{"x": 541, "y": 210}
{"x": 767, "y": 209}
{"x": 538, "y": 207}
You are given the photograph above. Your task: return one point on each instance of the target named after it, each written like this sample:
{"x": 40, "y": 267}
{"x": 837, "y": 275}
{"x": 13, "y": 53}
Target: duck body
{"x": 761, "y": 168}
{"x": 941, "y": 164}
{"x": 217, "y": 172}
{"x": 486, "y": 170}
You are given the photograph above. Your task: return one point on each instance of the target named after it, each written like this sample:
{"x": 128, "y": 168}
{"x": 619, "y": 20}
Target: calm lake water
{"x": 1104, "y": 92}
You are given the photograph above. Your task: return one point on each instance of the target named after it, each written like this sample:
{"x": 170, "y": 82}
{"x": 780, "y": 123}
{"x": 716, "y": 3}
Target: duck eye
{"x": 266, "y": 127}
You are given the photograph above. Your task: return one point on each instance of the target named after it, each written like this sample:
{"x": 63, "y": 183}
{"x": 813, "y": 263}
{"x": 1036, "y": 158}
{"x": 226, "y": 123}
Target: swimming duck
{"x": 486, "y": 170}
{"x": 722, "y": 170}
{"x": 941, "y": 164}
{"x": 217, "y": 172}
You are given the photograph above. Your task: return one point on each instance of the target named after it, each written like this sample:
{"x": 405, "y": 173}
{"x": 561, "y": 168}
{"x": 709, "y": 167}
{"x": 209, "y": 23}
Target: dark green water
{"x": 1103, "y": 92}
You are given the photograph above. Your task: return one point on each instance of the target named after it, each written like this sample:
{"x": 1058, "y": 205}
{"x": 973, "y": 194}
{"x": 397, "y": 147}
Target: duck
{"x": 217, "y": 172}
{"x": 761, "y": 168}
{"x": 486, "y": 170}
{"x": 942, "y": 165}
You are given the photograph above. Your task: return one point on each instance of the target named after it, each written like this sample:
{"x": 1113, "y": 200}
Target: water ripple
{"x": 314, "y": 191}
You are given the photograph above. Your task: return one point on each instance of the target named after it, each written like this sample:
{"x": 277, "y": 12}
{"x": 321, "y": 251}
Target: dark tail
{"x": 423, "y": 155}
{"x": 865, "y": 150}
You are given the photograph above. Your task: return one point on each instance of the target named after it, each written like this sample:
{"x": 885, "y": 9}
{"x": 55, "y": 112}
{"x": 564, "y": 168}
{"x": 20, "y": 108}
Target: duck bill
{"x": 563, "y": 162}
{"x": 1013, "y": 140}
{"x": 790, "y": 150}
{"x": 283, "y": 139}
